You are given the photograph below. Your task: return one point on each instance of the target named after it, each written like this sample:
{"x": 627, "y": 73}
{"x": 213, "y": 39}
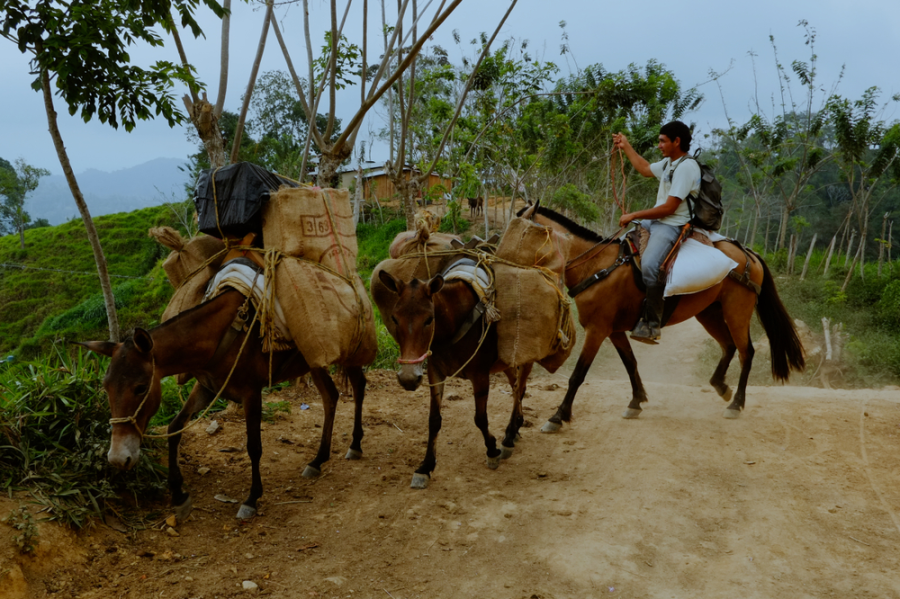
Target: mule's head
{"x": 413, "y": 324}
{"x": 133, "y": 387}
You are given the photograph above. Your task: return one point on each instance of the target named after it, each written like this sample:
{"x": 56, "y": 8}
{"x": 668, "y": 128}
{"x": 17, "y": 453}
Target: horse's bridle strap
{"x": 600, "y": 274}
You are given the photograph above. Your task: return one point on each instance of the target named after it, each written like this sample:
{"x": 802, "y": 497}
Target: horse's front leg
{"x": 592, "y": 340}
{"x": 329, "y": 394}
{"x": 197, "y": 400}
{"x": 422, "y": 475}
{"x": 518, "y": 379}
{"x": 358, "y": 382}
{"x": 480, "y": 387}
{"x": 253, "y": 416}
{"x": 638, "y": 393}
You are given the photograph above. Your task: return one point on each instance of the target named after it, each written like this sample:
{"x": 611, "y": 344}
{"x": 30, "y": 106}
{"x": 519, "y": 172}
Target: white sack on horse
{"x": 697, "y": 267}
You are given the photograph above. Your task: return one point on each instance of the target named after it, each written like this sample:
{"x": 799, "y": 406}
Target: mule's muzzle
{"x": 124, "y": 451}
{"x": 410, "y": 376}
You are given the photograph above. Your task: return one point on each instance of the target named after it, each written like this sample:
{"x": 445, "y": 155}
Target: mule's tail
{"x": 787, "y": 351}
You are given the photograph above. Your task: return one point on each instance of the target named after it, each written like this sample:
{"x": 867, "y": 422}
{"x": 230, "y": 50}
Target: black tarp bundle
{"x": 237, "y": 193}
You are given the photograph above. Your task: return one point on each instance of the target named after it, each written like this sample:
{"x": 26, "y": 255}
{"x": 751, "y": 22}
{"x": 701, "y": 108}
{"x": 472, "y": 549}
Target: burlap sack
{"x": 190, "y": 294}
{"x": 330, "y": 320}
{"x": 535, "y": 322}
{"x": 530, "y": 244}
{"x": 315, "y": 224}
{"x": 188, "y": 255}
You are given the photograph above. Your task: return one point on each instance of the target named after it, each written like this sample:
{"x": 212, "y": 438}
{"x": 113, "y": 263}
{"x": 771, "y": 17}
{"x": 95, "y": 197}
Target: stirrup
{"x": 645, "y": 333}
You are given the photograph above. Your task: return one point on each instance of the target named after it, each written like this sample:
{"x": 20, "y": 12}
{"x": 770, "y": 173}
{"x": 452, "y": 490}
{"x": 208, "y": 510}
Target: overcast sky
{"x": 690, "y": 38}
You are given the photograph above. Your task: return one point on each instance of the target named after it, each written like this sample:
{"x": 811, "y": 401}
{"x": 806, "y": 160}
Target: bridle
{"x": 133, "y": 418}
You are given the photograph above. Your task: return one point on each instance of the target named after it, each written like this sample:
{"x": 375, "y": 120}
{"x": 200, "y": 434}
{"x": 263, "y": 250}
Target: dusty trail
{"x": 799, "y": 497}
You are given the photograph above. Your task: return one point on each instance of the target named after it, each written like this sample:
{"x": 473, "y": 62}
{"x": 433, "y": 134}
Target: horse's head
{"x": 133, "y": 386}
{"x": 413, "y": 324}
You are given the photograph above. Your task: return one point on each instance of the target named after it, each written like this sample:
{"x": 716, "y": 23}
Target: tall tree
{"x": 15, "y": 185}
{"x": 79, "y": 48}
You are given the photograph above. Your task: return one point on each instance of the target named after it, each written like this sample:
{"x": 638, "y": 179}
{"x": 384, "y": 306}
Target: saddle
{"x": 477, "y": 276}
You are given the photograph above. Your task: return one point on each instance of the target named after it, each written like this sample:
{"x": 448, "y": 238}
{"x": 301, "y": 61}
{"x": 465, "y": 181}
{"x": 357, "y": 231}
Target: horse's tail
{"x": 787, "y": 351}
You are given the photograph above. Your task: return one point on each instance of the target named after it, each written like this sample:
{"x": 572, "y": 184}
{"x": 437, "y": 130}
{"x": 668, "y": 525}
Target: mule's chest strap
{"x": 600, "y": 274}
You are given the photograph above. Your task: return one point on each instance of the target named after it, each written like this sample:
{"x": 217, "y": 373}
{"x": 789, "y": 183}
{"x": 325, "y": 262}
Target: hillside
{"x": 142, "y": 186}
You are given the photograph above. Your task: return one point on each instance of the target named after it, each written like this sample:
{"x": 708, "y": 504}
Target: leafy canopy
{"x": 84, "y": 45}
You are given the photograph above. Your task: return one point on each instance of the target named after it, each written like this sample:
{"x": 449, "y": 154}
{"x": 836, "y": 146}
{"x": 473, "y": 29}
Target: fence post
{"x": 812, "y": 244}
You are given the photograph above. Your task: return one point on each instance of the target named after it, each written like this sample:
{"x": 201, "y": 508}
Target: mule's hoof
{"x": 352, "y": 454}
{"x": 550, "y": 427}
{"x": 518, "y": 436}
{"x": 494, "y": 463}
{"x": 419, "y": 481}
{"x": 506, "y": 452}
{"x": 184, "y": 510}
{"x": 732, "y": 414}
{"x": 246, "y": 512}
{"x": 311, "y": 472}
{"x": 631, "y": 413}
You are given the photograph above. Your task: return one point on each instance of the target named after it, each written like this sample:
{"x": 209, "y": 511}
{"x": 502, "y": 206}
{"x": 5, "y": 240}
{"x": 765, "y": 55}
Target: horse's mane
{"x": 568, "y": 223}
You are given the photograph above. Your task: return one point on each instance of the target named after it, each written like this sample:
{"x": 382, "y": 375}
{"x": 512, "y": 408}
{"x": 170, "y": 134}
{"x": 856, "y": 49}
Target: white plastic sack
{"x": 697, "y": 267}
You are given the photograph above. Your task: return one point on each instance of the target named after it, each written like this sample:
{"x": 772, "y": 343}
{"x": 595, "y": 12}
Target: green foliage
{"x": 51, "y": 289}
{"x": 54, "y": 434}
{"x": 15, "y": 185}
{"x": 84, "y": 45}
{"x": 22, "y": 520}
{"x": 569, "y": 199}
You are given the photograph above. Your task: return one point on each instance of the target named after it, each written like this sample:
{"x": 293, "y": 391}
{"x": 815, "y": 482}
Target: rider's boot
{"x": 647, "y": 329}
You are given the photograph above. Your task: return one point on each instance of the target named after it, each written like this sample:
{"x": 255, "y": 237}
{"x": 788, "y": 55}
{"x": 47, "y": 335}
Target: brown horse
{"x": 609, "y": 305}
{"x": 476, "y": 206}
{"x": 201, "y": 341}
{"x": 426, "y": 320}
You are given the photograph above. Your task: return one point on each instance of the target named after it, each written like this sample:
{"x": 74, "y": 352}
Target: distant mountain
{"x": 150, "y": 184}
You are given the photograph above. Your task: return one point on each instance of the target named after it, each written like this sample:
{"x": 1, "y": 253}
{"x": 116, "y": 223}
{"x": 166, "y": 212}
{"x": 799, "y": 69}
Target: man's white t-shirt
{"x": 684, "y": 181}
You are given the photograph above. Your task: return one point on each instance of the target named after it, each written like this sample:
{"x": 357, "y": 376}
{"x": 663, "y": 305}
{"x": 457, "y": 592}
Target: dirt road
{"x": 800, "y": 497}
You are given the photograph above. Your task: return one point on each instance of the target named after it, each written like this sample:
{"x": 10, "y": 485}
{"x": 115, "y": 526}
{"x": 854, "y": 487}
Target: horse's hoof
{"x": 550, "y": 427}
{"x": 246, "y": 512}
{"x": 419, "y": 481}
{"x": 726, "y": 396}
{"x": 506, "y": 452}
{"x": 311, "y": 472}
{"x": 494, "y": 463}
{"x": 184, "y": 510}
{"x": 631, "y": 413}
{"x": 732, "y": 414}
{"x": 352, "y": 454}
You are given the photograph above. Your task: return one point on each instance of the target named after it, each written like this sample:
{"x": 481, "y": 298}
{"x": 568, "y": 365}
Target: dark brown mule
{"x": 611, "y": 307}
{"x": 426, "y": 317}
{"x": 189, "y": 343}
{"x": 476, "y": 206}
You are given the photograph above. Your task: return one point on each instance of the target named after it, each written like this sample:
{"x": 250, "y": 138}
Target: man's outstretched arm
{"x": 639, "y": 163}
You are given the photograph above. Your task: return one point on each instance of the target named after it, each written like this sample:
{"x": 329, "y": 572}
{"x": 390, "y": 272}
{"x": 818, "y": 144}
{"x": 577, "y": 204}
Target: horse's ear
{"x": 142, "y": 340}
{"x": 105, "y": 348}
{"x": 435, "y": 284}
{"x": 534, "y": 210}
{"x": 390, "y": 282}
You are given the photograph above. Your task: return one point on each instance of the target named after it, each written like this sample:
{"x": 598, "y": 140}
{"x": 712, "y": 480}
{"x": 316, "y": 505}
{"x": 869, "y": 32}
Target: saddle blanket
{"x": 476, "y": 275}
{"x": 250, "y": 282}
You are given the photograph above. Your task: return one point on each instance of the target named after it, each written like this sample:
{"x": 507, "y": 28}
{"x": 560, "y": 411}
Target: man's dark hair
{"x": 677, "y": 129}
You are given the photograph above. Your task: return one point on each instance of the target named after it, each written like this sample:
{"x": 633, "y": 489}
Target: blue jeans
{"x": 662, "y": 239}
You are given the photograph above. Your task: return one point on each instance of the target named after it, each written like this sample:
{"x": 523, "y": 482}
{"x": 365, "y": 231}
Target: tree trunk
{"x": 99, "y": 257}
{"x": 851, "y": 269}
{"x": 830, "y": 252}
{"x": 849, "y": 246}
{"x": 239, "y": 130}
{"x": 207, "y": 123}
{"x": 882, "y": 242}
{"x": 783, "y": 227}
{"x": 809, "y": 254}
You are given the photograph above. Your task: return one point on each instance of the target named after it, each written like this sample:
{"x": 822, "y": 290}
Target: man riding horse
{"x": 667, "y": 217}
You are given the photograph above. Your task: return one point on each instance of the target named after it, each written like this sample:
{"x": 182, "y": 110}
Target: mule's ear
{"x": 534, "y": 210}
{"x": 435, "y": 284}
{"x": 105, "y": 348}
{"x": 389, "y": 281}
{"x": 142, "y": 340}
